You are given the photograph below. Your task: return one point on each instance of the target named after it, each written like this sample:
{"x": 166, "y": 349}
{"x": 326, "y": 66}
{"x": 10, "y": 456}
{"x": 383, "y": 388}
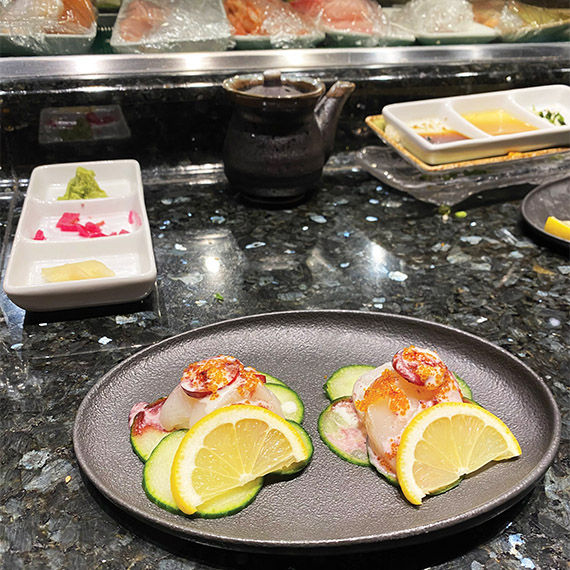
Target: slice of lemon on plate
{"x": 229, "y": 448}
{"x": 447, "y": 441}
{"x": 556, "y": 227}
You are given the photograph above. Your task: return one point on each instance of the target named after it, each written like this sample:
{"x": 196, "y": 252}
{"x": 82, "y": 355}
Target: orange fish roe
{"x": 426, "y": 367}
{"x": 212, "y": 374}
{"x": 248, "y": 381}
{"x": 443, "y": 389}
{"x": 385, "y": 387}
{"x": 393, "y": 449}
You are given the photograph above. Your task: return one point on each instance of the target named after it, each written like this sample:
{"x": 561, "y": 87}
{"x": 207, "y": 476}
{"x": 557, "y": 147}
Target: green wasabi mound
{"x": 83, "y": 186}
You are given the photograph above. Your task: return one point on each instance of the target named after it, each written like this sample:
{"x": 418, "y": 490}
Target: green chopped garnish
{"x": 218, "y": 297}
{"x": 554, "y": 117}
{"x": 460, "y": 214}
{"x": 83, "y": 186}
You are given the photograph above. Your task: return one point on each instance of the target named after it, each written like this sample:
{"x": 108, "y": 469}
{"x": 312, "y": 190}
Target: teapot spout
{"x": 328, "y": 112}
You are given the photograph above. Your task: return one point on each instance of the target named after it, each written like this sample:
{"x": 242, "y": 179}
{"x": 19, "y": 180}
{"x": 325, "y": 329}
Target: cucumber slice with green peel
{"x": 296, "y": 467}
{"x": 143, "y": 442}
{"x": 146, "y": 429}
{"x": 291, "y": 404}
{"x": 341, "y": 382}
{"x": 156, "y": 483}
{"x": 272, "y": 380}
{"x": 156, "y": 472}
{"x": 231, "y": 502}
{"x": 340, "y": 430}
{"x": 465, "y": 390}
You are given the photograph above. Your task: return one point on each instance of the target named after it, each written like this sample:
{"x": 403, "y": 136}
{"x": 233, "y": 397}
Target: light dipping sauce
{"x": 498, "y": 122}
{"x": 443, "y": 136}
{"x": 436, "y": 131}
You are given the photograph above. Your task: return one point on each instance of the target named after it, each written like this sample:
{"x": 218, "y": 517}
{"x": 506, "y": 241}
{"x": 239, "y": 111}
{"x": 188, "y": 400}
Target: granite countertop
{"x": 474, "y": 269}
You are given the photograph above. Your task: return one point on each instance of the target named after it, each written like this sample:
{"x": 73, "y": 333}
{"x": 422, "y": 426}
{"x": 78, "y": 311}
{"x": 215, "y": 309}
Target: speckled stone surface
{"x": 353, "y": 244}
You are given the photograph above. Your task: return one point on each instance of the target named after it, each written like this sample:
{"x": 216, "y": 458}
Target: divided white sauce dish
{"x": 519, "y": 104}
{"x": 129, "y": 254}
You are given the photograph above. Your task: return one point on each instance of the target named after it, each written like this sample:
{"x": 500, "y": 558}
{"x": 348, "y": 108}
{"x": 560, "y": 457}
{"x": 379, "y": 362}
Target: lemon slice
{"x": 229, "y": 448}
{"x": 556, "y": 227}
{"x": 447, "y": 441}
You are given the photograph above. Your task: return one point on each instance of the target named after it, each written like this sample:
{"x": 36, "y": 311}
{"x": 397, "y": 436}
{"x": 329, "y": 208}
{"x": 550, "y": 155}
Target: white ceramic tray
{"x": 42, "y": 43}
{"x": 473, "y": 34}
{"x": 129, "y": 255}
{"x": 521, "y": 104}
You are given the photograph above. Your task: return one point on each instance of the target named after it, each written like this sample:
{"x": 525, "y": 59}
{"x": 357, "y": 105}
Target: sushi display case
{"x": 167, "y": 109}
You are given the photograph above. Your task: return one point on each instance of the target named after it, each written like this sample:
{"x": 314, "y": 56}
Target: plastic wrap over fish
{"x": 519, "y": 22}
{"x": 434, "y": 16}
{"x": 170, "y": 25}
{"x": 346, "y": 22}
{"x": 46, "y": 27}
{"x": 270, "y": 24}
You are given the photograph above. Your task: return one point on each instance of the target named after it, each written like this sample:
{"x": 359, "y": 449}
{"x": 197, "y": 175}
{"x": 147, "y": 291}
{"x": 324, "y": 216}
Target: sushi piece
{"x": 388, "y": 397}
{"x": 170, "y": 25}
{"x": 50, "y": 16}
{"x": 140, "y": 19}
{"x": 49, "y": 27}
{"x": 205, "y": 386}
{"x": 272, "y": 20}
{"x": 355, "y": 16}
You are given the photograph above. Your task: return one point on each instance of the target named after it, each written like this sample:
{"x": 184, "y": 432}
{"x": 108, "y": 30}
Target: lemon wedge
{"x": 556, "y": 227}
{"x": 447, "y": 441}
{"x": 229, "y": 448}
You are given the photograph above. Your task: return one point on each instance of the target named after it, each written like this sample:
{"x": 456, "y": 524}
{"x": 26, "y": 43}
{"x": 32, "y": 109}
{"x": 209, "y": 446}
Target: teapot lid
{"x": 274, "y": 87}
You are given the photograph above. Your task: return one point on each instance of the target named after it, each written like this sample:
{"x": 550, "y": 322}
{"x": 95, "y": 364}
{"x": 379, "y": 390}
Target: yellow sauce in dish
{"x": 497, "y": 122}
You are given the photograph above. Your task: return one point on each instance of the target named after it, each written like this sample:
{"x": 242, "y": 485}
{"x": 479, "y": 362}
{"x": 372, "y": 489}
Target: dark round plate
{"x": 550, "y": 199}
{"x": 332, "y": 503}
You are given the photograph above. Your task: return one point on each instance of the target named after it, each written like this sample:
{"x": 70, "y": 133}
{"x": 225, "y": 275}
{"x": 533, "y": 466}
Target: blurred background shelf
{"x": 106, "y": 65}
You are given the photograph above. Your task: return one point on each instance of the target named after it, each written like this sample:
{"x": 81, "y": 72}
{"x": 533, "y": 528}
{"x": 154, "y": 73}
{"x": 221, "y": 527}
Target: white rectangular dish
{"x": 125, "y": 248}
{"x": 486, "y": 124}
{"x": 473, "y": 34}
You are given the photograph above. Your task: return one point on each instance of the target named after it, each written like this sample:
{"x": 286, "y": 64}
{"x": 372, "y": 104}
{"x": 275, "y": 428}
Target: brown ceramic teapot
{"x": 281, "y": 133}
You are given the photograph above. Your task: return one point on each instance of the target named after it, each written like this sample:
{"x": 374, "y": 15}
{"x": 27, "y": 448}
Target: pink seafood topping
{"x": 144, "y": 415}
{"x": 421, "y": 367}
{"x": 350, "y": 438}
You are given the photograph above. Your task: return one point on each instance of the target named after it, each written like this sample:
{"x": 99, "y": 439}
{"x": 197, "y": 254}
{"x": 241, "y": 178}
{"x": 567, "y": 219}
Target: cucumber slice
{"x": 340, "y": 384}
{"x": 465, "y": 390}
{"x": 272, "y": 380}
{"x": 291, "y": 404}
{"x": 156, "y": 472}
{"x": 156, "y": 483}
{"x": 296, "y": 467}
{"x": 144, "y": 442}
{"x": 231, "y": 502}
{"x": 339, "y": 428}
